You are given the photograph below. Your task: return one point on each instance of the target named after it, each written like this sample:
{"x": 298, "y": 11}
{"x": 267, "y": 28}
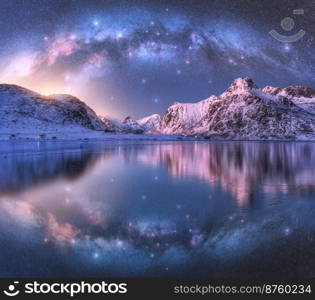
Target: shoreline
{"x": 103, "y": 137}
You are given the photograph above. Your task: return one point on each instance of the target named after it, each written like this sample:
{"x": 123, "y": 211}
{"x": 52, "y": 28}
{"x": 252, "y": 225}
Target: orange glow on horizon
{"x": 51, "y": 88}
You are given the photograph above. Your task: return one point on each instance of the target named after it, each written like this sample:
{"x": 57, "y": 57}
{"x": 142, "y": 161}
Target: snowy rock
{"x": 22, "y": 110}
{"x": 182, "y": 118}
{"x": 302, "y": 96}
{"x": 243, "y": 111}
{"x": 297, "y": 91}
{"x": 131, "y": 126}
{"x": 112, "y": 125}
{"x": 149, "y": 122}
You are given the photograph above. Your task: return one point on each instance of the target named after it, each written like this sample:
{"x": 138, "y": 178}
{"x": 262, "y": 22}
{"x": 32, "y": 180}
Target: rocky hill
{"x": 24, "y": 110}
{"x": 244, "y": 111}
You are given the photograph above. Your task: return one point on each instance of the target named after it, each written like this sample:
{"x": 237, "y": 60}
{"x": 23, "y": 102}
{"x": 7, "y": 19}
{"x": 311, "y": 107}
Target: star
{"x": 287, "y": 231}
{"x": 119, "y": 35}
{"x": 119, "y": 243}
{"x": 232, "y": 62}
{"x": 68, "y": 189}
{"x": 287, "y": 47}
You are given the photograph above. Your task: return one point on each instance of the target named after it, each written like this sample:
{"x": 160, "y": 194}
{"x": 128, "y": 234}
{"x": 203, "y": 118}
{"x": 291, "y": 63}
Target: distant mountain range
{"x": 22, "y": 110}
{"x": 130, "y": 125}
{"x": 243, "y": 111}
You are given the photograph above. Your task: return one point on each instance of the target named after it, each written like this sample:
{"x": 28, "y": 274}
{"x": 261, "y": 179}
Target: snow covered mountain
{"x": 127, "y": 125}
{"x": 182, "y": 118}
{"x": 149, "y": 122}
{"x": 130, "y": 125}
{"x": 300, "y": 95}
{"x": 22, "y": 110}
{"x": 244, "y": 111}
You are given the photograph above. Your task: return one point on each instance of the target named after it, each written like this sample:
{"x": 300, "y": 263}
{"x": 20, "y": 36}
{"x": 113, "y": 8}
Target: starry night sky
{"x": 137, "y": 57}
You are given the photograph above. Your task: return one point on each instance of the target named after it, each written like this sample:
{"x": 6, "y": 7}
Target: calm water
{"x": 157, "y": 209}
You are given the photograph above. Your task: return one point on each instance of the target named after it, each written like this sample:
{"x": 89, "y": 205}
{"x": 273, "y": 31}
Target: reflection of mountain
{"x": 102, "y": 219}
{"x": 243, "y": 169}
{"x": 25, "y": 169}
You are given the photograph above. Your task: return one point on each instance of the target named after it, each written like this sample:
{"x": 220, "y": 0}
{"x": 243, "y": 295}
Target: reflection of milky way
{"x": 105, "y": 221}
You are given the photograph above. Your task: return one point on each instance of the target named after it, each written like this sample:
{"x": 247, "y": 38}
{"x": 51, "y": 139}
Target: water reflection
{"x": 142, "y": 209}
{"x": 243, "y": 169}
{"x": 25, "y": 165}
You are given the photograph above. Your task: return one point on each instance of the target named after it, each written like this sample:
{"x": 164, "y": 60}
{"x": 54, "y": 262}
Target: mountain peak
{"x": 242, "y": 84}
{"x": 296, "y": 91}
{"x": 244, "y": 111}
{"x": 23, "y": 110}
{"x": 128, "y": 120}
{"x": 16, "y": 89}
{"x": 149, "y": 122}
